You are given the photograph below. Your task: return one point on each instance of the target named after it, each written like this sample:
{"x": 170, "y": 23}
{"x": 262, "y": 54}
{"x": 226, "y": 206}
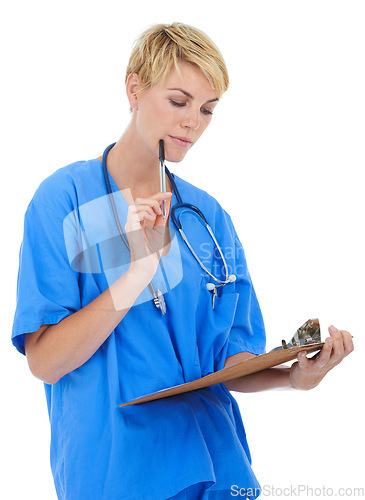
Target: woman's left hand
{"x": 307, "y": 373}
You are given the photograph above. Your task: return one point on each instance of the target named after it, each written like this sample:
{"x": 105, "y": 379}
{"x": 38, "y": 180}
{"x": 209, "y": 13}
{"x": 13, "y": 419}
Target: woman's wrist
{"x": 276, "y": 378}
{"x": 126, "y": 289}
{"x": 138, "y": 276}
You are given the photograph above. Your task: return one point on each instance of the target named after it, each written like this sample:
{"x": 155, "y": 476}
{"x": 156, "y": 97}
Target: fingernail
{"x": 333, "y": 329}
{"x": 330, "y": 342}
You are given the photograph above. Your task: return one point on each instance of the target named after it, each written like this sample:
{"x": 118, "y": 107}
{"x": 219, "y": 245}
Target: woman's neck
{"x": 133, "y": 168}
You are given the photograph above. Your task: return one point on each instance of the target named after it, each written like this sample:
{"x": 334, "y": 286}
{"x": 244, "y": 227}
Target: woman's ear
{"x": 132, "y": 87}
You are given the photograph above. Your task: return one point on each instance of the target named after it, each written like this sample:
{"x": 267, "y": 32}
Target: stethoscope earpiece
{"x": 211, "y": 286}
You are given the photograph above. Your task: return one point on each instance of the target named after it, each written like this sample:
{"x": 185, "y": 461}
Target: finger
{"x": 167, "y": 203}
{"x": 133, "y": 223}
{"x": 152, "y": 210}
{"x": 154, "y": 199}
{"x": 155, "y": 206}
{"x": 162, "y": 196}
{"x": 347, "y": 342}
{"x": 325, "y": 355}
{"x": 167, "y": 199}
{"x": 145, "y": 215}
{"x": 160, "y": 221}
{"x": 303, "y": 360}
{"x": 338, "y": 347}
{"x": 136, "y": 222}
{"x": 143, "y": 239}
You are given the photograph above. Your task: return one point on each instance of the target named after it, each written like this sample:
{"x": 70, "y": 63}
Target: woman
{"x": 86, "y": 319}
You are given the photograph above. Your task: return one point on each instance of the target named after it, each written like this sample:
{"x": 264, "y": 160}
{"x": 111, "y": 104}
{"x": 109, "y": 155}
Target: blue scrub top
{"x": 153, "y": 450}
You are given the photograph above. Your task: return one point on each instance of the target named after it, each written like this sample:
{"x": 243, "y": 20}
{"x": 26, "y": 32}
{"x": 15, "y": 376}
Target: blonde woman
{"x": 113, "y": 304}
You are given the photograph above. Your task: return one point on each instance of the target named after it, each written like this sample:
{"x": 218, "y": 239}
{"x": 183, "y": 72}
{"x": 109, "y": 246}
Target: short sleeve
{"x": 47, "y": 286}
{"x": 248, "y": 331}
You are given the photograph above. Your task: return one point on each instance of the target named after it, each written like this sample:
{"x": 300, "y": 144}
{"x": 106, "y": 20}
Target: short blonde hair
{"x": 163, "y": 46}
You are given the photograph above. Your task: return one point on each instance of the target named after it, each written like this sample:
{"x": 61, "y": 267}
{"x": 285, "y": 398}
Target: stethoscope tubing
{"x": 178, "y": 225}
{"x": 157, "y": 295}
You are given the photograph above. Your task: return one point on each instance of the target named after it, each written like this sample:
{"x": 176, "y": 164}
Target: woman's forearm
{"x": 272, "y": 378}
{"x": 67, "y": 345}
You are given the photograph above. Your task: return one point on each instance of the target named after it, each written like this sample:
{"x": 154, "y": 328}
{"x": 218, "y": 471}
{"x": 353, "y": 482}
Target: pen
{"x": 162, "y": 175}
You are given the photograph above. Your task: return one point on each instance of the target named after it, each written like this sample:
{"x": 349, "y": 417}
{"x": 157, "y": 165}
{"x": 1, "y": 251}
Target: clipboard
{"x": 248, "y": 367}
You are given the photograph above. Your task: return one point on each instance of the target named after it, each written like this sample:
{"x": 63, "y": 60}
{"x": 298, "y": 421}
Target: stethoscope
{"x": 157, "y": 295}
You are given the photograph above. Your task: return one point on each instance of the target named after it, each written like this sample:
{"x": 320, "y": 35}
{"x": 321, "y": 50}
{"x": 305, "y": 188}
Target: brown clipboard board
{"x": 247, "y": 367}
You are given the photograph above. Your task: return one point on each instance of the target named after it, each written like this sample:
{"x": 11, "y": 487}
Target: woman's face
{"x": 177, "y": 110}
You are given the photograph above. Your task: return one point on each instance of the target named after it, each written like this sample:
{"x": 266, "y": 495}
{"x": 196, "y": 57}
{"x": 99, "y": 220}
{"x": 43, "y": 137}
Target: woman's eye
{"x": 181, "y": 104}
{"x": 175, "y": 103}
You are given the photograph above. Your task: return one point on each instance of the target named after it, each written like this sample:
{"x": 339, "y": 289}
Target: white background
{"x": 284, "y": 156}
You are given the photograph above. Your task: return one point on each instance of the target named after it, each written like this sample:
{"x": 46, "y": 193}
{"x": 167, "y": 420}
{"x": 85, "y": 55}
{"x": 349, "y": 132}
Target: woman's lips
{"x": 182, "y": 141}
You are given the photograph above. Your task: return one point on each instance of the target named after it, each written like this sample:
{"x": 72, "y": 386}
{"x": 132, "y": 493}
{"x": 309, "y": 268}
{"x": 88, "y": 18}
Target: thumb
{"x": 302, "y": 359}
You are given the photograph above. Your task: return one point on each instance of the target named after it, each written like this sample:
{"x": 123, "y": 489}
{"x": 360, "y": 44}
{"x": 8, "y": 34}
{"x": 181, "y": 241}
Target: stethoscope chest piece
{"x": 159, "y": 301}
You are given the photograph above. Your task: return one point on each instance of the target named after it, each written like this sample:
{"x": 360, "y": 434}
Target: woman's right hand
{"x": 145, "y": 229}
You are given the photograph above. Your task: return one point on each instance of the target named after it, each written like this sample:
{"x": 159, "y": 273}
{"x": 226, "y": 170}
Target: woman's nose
{"x": 192, "y": 119}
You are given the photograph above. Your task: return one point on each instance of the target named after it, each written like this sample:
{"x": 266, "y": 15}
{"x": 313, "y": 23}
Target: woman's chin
{"x": 175, "y": 156}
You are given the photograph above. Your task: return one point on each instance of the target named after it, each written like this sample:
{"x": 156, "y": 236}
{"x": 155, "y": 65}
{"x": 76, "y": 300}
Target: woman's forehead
{"x": 190, "y": 80}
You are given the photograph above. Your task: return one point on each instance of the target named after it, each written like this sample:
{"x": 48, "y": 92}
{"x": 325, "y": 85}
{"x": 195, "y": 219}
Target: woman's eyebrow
{"x": 191, "y": 97}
